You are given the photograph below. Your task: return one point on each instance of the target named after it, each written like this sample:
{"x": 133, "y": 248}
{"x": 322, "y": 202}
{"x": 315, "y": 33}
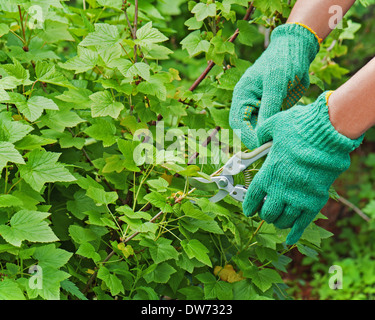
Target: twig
{"x": 354, "y": 208}
{"x": 231, "y": 39}
{"x": 204, "y": 144}
{"x": 153, "y": 219}
{"x": 91, "y": 163}
{"x": 135, "y": 28}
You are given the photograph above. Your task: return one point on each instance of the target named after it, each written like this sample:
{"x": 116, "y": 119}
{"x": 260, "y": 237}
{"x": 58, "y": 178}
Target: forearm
{"x": 352, "y": 106}
{"x": 317, "y": 15}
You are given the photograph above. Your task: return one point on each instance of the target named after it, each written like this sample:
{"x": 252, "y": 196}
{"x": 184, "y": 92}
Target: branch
{"x": 135, "y": 28}
{"x": 211, "y": 63}
{"x": 204, "y": 144}
{"x": 354, "y": 208}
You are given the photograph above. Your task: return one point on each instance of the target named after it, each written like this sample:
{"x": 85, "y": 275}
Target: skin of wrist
{"x": 342, "y": 118}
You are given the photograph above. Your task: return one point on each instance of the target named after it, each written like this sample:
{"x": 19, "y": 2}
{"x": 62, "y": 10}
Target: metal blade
{"x": 219, "y": 196}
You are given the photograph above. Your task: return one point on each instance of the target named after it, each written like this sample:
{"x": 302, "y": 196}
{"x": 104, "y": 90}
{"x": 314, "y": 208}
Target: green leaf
{"x": 262, "y": 278}
{"x": 85, "y": 60}
{"x": 192, "y": 212}
{"x": 103, "y": 104}
{"x": 214, "y": 289}
{"x": 162, "y": 250}
{"x": 102, "y": 130}
{"x": 52, "y": 279}
{"x": 195, "y": 249}
{"x": 105, "y": 35}
{"x": 4, "y": 29}
{"x": 46, "y": 72}
{"x": 55, "y": 31}
{"x": 81, "y": 235}
{"x": 72, "y": 289}
{"x": 9, "y": 154}
{"x": 33, "y": 108}
{"x": 60, "y": 119}
{"x": 8, "y": 200}
{"x": 194, "y": 44}
{"x": 127, "y": 149}
{"x": 154, "y": 86}
{"x": 87, "y": 250}
{"x": 17, "y": 71}
{"x": 49, "y": 255}
{"x": 147, "y": 35}
{"x": 10, "y": 130}
{"x": 10, "y": 290}
{"x": 158, "y": 201}
{"x": 28, "y": 225}
{"x": 193, "y": 24}
{"x": 159, "y": 273}
{"x": 42, "y": 167}
{"x": 159, "y": 184}
{"x": 111, "y": 280}
{"x": 115, "y": 4}
{"x": 100, "y": 196}
{"x": 139, "y": 69}
{"x": 33, "y": 142}
{"x": 203, "y": 10}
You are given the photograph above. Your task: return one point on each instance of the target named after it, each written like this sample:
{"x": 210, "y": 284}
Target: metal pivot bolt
{"x": 223, "y": 182}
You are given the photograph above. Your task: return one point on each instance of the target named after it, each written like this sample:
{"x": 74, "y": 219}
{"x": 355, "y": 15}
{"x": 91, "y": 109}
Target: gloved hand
{"x": 306, "y": 157}
{"x": 281, "y": 72}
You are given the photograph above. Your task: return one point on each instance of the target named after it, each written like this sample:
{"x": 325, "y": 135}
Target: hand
{"x": 307, "y": 155}
{"x": 281, "y": 72}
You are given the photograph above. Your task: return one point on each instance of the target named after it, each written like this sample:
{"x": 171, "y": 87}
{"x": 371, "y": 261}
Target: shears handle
{"x": 241, "y": 160}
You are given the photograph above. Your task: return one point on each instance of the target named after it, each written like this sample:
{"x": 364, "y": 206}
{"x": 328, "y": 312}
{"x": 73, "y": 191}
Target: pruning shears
{"x": 235, "y": 165}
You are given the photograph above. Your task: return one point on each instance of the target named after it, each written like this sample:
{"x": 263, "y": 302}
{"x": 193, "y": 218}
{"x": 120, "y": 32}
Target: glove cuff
{"x": 304, "y": 37}
{"x": 315, "y": 126}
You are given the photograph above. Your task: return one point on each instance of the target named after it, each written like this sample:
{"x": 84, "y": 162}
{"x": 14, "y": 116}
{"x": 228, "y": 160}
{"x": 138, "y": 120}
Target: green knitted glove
{"x": 281, "y": 72}
{"x": 306, "y": 157}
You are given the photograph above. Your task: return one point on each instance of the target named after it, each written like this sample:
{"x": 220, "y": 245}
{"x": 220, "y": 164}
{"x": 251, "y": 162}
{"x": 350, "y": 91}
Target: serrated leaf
{"x": 100, "y": 196}
{"x": 103, "y": 130}
{"x": 72, "y": 289}
{"x": 51, "y": 283}
{"x": 8, "y": 200}
{"x": 28, "y": 225}
{"x": 147, "y": 35}
{"x": 158, "y": 201}
{"x": 55, "y": 31}
{"x": 103, "y": 104}
{"x": 34, "y": 107}
{"x": 87, "y": 250}
{"x": 111, "y": 280}
{"x": 194, "y": 44}
{"x": 263, "y": 278}
{"x": 8, "y": 153}
{"x": 42, "y": 167}
{"x": 46, "y": 72}
{"x": 105, "y": 35}
{"x": 195, "y": 249}
{"x": 159, "y": 273}
{"x": 4, "y": 29}
{"x": 163, "y": 250}
{"x": 10, "y": 290}
{"x": 85, "y": 60}
{"x": 49, "y": 255}
{"x": 203, "y": 10}
{"x": 10, "y": 130}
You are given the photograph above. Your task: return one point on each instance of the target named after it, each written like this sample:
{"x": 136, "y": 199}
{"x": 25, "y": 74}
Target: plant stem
{"x": 135, "y": 28}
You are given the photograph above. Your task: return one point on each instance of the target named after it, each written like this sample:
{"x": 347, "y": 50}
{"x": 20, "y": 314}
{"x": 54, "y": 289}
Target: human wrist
{"x": 341, "y": 117}
{"x": 315, "y": 126}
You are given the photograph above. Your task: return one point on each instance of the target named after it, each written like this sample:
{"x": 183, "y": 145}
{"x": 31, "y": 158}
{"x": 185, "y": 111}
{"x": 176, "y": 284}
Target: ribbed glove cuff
{"x": 315, "y": 126}
{"x": 301, "y": 35}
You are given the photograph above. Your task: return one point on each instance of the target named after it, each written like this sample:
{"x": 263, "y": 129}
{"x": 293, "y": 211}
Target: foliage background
{"x": 98, "y": 224}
